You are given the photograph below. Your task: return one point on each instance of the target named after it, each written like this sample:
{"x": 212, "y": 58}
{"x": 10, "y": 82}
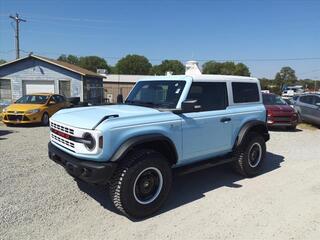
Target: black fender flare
{"x": 255, "y": 125}
{"x": 129, "y": 144}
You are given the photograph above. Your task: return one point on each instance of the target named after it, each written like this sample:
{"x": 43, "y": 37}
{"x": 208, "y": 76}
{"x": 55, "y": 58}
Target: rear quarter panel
{"x": 243, "y": 113}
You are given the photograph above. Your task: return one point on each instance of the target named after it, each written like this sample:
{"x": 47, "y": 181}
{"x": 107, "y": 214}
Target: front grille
{"x": 62, "y": 140}
{"x": 15, "y": 117}
{"x": 62, "y": 128}
{"x": 282, "y": 119}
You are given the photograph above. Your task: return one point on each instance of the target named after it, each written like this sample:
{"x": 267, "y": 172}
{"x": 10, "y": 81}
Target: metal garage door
{"x": 30, "y": 87}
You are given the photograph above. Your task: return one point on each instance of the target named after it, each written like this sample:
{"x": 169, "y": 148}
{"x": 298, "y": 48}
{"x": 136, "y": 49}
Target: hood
{"x": 89, "y": 117}
{"x": 22, "y": 107}
{"x": 279, "y": 108}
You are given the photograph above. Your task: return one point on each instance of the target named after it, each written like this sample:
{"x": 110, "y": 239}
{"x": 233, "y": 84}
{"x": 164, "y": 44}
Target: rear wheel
{"x": 45, "y": 119}
{"x": 250, "y": 156}
{"x": 141, "y": 184}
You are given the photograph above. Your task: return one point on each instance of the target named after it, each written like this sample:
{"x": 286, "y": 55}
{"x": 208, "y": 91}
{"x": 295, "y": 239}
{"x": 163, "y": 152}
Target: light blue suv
{"x": 167, "y": 122}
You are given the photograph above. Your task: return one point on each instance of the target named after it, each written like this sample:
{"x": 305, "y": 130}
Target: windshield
{"x": 33, "y": 99}
{"x": 158, "y": 94}
{"x": 270, "y": 99}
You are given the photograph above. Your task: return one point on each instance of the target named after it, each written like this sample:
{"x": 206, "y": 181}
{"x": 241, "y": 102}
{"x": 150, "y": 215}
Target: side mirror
{"x": 190, "y": 106}
{"x": 119, "y": 98}
{"x": 52, "y": 102}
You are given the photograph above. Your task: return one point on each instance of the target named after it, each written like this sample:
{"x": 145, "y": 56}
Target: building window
{"x": 5, "y": 89}
{"x": 211, "y": 96}
{"x": 245, "y": 92}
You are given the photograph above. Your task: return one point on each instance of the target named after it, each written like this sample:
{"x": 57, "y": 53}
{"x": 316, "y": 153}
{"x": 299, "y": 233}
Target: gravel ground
{"x": 38, "y": 200}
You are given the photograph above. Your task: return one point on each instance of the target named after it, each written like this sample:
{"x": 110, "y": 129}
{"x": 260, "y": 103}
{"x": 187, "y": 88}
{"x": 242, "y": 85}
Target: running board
{"x": 204, "y": 164}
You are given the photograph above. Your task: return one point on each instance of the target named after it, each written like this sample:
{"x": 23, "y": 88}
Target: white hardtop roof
{"x": 201, "y": 78}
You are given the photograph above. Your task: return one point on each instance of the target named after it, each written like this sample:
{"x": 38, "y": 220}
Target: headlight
{"x": 89, "y": 141}
{"x": 4, "y": 110}
{"x": 33, "y": 111}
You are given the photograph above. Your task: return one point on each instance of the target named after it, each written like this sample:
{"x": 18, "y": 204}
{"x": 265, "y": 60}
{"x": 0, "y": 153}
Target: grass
{"x": 307, "y": 126}
{"x": 1, "y": 113}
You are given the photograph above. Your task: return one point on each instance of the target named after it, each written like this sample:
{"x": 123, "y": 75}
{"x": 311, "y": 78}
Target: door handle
{"x": 225, "y": 119}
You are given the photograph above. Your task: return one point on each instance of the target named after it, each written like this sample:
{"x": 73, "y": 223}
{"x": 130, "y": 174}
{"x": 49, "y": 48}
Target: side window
{"x": 306, "y": 99}
{"x": 55, "y": 98}
{"x": 211, "y": 95}
{"x": 245, "y": 92}
{"x": 60, "y": 98}
{"x": 316, "y": 100}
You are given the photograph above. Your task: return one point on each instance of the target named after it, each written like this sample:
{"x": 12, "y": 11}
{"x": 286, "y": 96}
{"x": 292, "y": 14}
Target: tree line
{"x": 140, "y": 65}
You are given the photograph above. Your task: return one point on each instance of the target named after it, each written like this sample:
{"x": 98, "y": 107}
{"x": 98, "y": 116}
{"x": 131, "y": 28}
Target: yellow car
{"x": 33, "y": 108}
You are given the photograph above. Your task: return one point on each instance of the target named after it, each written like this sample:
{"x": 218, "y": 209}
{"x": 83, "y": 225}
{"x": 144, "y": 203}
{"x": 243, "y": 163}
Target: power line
{"x": 17, "y": 19}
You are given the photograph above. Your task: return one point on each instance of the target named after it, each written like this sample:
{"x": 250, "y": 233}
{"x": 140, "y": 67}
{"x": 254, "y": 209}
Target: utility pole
{"x": 17, "y": 19}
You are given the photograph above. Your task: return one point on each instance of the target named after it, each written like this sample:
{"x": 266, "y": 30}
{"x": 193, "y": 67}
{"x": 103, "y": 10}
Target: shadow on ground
{"x": 282, "y": 129}
{"x": 4, "y": 133}
{"x": 190, "y": 187}
{"x": 26, "y": 125}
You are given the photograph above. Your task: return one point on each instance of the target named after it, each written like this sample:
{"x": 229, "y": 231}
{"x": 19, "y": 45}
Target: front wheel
{"x": 250, "y": 156}
{"x": 45, "y": 119}
{"x": 141, "y": 184}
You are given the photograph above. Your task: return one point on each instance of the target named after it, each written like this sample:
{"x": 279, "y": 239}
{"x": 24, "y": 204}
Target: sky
{"x": 265, "y": 35}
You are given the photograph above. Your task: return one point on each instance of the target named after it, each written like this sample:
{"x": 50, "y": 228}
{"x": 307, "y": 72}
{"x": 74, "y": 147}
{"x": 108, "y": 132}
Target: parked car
{"x": 308, "y": 108}
{"x": 289, "y": 101}
{"x": 33, "y": 108}
{"x": 184, "y": 122}
{"x": 280, "y": 114}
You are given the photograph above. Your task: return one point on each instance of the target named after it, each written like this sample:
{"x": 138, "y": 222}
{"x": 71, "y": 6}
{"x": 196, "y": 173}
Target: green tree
{"x": 69, "y": 59}
{"x": 2, "y": 61}
{"x": 93, "y": 63}
{"x": 133, "y": 64}
{"x": 174, "y": 66}
{"x": 226, "y": 68}
{"x": 286, "y": 76}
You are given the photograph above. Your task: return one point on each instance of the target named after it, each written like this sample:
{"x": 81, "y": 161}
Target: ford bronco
{"x": 166, "y": 123}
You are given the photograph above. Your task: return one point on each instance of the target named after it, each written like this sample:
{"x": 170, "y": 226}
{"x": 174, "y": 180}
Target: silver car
{"x": 308, "y": 108}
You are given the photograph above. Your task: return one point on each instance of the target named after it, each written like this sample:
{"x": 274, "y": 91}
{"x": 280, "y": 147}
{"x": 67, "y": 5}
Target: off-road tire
{"x": 242, "y": 163}
{"x": 45, "y": 119}
{"x": 121, "y": 187}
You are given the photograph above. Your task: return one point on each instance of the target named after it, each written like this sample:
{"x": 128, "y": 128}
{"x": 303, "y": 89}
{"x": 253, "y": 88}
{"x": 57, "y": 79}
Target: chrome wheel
{"x": 148, "y": 185}
{"x": 254, "y": 155}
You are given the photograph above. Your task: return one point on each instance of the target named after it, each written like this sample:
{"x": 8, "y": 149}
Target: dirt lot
{"x": 38, "y": 200}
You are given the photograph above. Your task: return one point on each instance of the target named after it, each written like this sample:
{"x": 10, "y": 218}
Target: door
{"x": 315, "y": 110}
{"x": 32, "y": 86}
{"x": 207, "y": 133}
{"x": 64, "y": 88}
{"x": 306, "y": 107}
{"x": 56, "y": 103}
{"x": 5, "y": 90}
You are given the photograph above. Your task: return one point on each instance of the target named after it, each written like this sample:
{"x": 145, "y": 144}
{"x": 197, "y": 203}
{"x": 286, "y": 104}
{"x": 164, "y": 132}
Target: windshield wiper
{"x": 140, "y": 103}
